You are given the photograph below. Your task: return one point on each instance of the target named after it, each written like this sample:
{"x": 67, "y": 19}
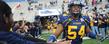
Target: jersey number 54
{"x": 81, "y": 32}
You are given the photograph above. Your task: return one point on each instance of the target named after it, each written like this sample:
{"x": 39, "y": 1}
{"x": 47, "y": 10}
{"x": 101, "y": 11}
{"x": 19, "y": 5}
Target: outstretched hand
{"x": 64, "y": 42}
{"x": 61, "y": 42}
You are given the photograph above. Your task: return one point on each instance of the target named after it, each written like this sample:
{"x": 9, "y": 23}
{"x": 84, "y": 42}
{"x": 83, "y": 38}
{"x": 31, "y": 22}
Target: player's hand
{"x": 64, "y": 42}
{"x": 51, "y": 39}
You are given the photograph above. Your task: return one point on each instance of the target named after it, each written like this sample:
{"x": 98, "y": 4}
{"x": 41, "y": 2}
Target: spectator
{"x": 33, "y": 30}
{"x": 6, "y": 22}
{"x": 108, "y": 23}
{"x": 5, "y": 25}
{"x": 36, "y": 30}
{"x": 23, "y": 30}
{"x": 102, "y": 25}
{"x": 15, "y": 26}
{"x": 95, "y": 26}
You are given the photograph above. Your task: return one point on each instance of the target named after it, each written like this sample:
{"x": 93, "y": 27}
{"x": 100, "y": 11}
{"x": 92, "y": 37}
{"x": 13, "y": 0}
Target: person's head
{"x": 94, "y": 14}
{"x": 75, "y": 9}
{"x": 5, "y": 16}
{"x": 101, "y": 16}
{"x": 108, "y": 14}
{"x": 16, "y": 24}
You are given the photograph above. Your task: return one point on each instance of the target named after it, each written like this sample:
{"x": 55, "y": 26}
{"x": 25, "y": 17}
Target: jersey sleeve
{"x": 62, "y": 19}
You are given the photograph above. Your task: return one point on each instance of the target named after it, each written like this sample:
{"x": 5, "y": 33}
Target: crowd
{"x": 96, "y": 18}
{"x": 19, "y": 28}
{"x": 26, "y": 28}
{"x": 96, "y": 15}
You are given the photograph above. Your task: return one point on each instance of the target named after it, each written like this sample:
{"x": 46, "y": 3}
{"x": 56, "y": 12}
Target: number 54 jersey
{"x": 75, "y": 30}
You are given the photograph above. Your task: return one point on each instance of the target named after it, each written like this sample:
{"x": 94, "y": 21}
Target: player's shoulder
{"x": 85, "y": 17}
{"x": 65, "y": 17}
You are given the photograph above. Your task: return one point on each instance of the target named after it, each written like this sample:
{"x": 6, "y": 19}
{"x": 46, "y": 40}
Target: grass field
{"x": 89, "y": 41}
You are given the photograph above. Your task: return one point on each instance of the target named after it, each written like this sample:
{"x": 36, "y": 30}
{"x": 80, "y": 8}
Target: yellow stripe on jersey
{"x": 91, "y": 23}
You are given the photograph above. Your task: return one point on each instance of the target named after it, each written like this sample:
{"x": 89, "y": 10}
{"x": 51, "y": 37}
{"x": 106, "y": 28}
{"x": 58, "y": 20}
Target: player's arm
{"x": 59, "y": 30}
{"x": 90, "y": 33}
{"x": 53, "y": 37}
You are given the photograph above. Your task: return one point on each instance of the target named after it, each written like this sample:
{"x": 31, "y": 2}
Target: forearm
{"x": 53, "y": 37}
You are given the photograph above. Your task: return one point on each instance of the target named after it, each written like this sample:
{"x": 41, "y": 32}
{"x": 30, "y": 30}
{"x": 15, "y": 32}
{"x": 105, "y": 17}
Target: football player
{"x": 75, "y": 26}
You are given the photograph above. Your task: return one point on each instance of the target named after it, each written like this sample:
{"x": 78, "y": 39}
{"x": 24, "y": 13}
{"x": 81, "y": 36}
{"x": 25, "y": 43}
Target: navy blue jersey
{"x": 62, "y": 19}
{"x": 75, "y": 29}
{"x": 86, "y": 18}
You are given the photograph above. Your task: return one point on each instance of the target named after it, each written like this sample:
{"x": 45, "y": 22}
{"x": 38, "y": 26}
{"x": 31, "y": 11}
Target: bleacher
{"x": 14, "y": 0}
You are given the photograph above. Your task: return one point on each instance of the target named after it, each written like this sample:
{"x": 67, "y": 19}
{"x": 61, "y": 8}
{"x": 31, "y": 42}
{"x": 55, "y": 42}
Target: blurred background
{"x": 39, "y": 17}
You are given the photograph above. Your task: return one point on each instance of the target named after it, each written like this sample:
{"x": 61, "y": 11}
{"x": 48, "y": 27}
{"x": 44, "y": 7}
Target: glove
{"x": 91, "y": 35}
{"x": 52, "y": 38}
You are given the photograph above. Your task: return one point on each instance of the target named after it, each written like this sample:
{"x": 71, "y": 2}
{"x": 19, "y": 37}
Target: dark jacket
{"x": 13, "y": 38}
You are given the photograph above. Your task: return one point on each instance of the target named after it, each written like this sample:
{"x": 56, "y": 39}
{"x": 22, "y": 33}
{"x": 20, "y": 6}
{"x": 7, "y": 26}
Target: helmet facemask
{"x": 75, "y": 11}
